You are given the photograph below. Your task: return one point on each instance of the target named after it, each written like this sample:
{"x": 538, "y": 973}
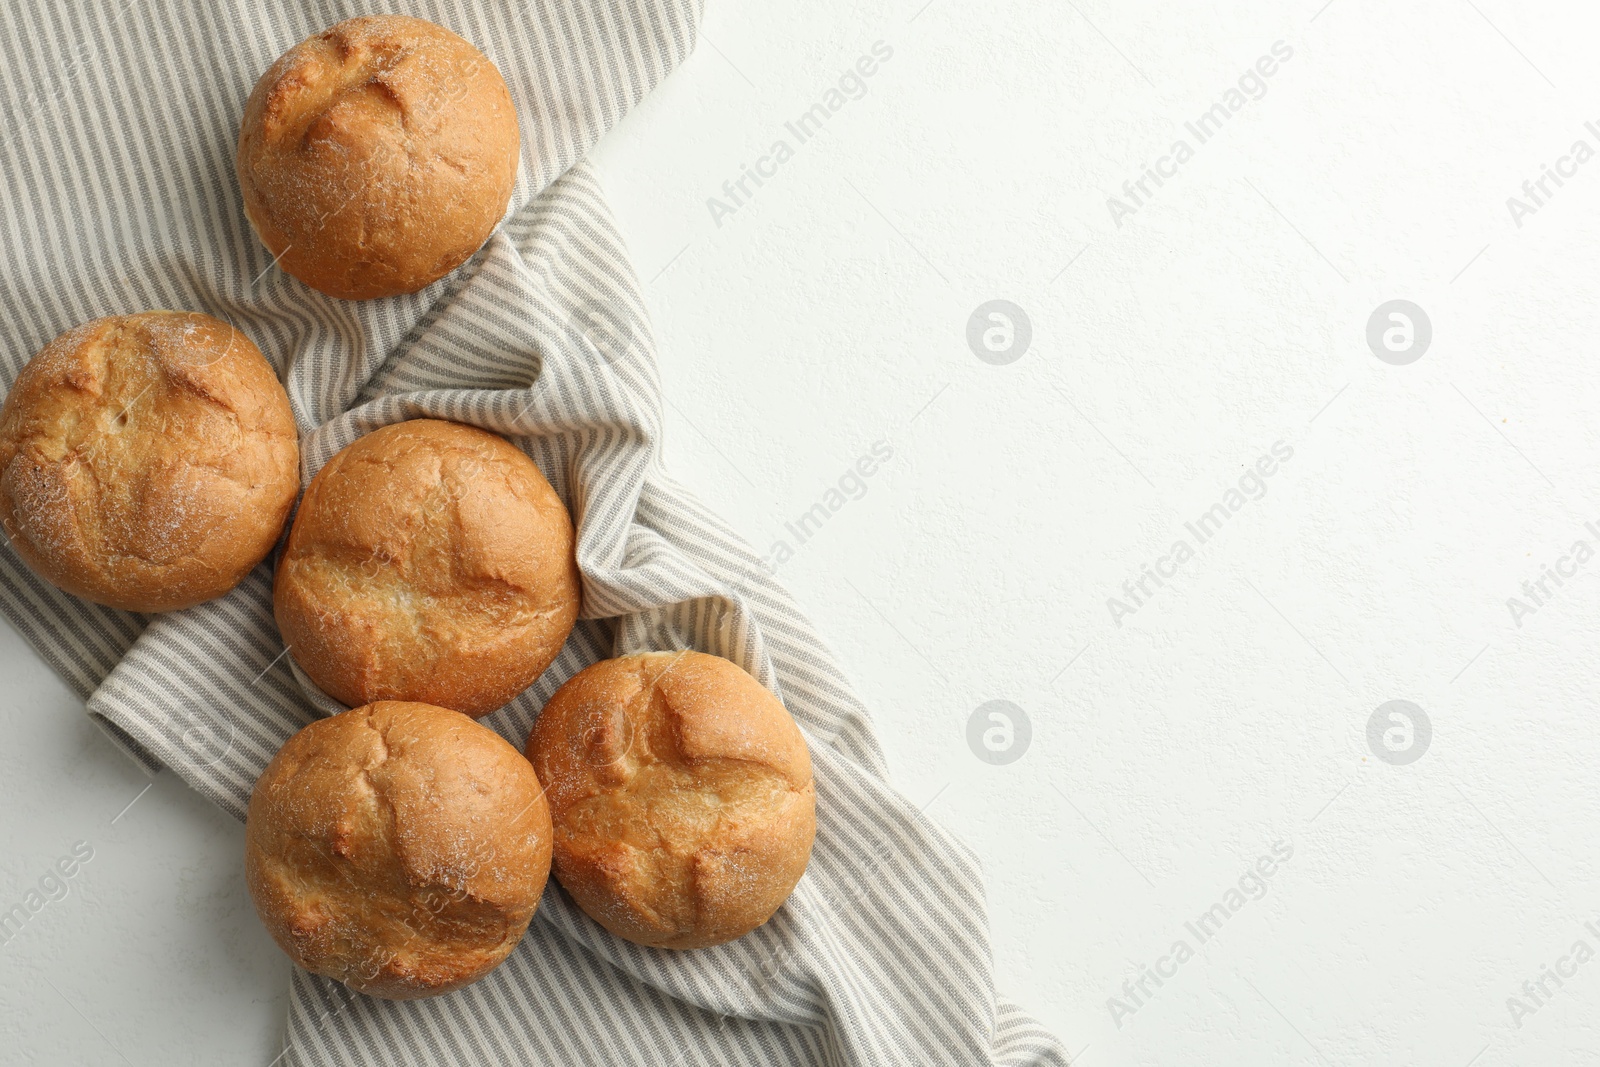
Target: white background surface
{"x": 1227, "y": 713}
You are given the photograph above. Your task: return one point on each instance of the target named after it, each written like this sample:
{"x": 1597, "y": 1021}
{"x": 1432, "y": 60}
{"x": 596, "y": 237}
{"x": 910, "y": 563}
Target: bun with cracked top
{"x": 147, "y": 462}
{"x": 681, "y": 794}
{"x": 377, "y": 156}
{"x": 429, "y": 561}
{"x": 399, "y": 848}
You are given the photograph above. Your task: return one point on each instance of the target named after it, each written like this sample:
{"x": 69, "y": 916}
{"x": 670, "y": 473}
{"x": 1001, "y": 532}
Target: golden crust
{"x": 147, "y": 461}
{"x": 681, "y": 794}
{"x": 429, "y": 561}
{"x": 399, "y": 848}
{"x": 377, "y": 156}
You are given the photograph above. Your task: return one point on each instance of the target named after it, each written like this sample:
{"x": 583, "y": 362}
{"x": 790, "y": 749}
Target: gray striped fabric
{"x": 116, "y": 153}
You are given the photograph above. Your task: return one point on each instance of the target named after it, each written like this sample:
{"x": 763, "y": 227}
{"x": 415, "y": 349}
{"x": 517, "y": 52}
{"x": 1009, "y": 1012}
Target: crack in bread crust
{"x": 377, "y": 156}
{"x": 147, "y": 461}
{"x": 399, "y": 848}
{"x": 681, "y": 795}
{"x": 429, "y": 561}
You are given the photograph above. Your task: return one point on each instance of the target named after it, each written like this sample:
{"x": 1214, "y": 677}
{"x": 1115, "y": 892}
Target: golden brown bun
{"x": 147, "y": 461}
{"x": 429, "y": 561}
{"x": 681, "y": 794}
{"x": 399, "y": 848}
{"x": 375, "y": 157}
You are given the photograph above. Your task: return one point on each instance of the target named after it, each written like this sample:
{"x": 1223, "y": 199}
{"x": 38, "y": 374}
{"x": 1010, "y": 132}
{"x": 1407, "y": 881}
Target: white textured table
{"x": 1197, "y": 850}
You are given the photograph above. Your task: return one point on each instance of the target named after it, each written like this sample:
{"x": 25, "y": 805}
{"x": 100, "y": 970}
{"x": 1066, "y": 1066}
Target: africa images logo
{"x": 1538, "y": 592}
{"x": 1252, "y": 485}
{"x": 852, "y": 85}
{"x": 1536, "y": 992}
{"x": 852, "y": 484}
{"x": 1252, "y": 85}
{"x": 1399, "y": 732}
{"x": 999, "y": 732}
{"x": 53, "y": 886}
{"x": 1252, "y": 885}
{"x": 1538, "y": 192}
{"x": 999, "y": 332}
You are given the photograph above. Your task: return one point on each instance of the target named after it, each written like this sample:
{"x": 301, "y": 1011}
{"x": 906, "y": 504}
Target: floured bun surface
{"x": 398, "y": 848}
{"x": 681, "y": 794}
{"x": 147, "y": 461}
{"x": 377, "y": 156}
{"x": 429, "y": 561}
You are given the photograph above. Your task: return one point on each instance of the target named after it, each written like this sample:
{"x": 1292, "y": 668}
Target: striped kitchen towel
{"x": 116, "y": 156}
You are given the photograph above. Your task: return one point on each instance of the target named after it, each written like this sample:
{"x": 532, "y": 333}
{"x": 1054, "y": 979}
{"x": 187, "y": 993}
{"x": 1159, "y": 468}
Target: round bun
{"x": 399, "y": 848}
{"x": 147, "y": 461}
{"x": 681, "y": 794}
{"x": 429, "y": 561}
{"x": 377, "y": 156}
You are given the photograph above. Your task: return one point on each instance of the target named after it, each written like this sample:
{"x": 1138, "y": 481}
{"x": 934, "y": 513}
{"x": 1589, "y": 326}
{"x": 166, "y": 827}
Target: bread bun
{"x": 681, "y": 795}
{"x": 429, "y": 561}
{"x": 377, "y": 156}
{"x": 399, "y": 848}
{"x": 147, "y": 461}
